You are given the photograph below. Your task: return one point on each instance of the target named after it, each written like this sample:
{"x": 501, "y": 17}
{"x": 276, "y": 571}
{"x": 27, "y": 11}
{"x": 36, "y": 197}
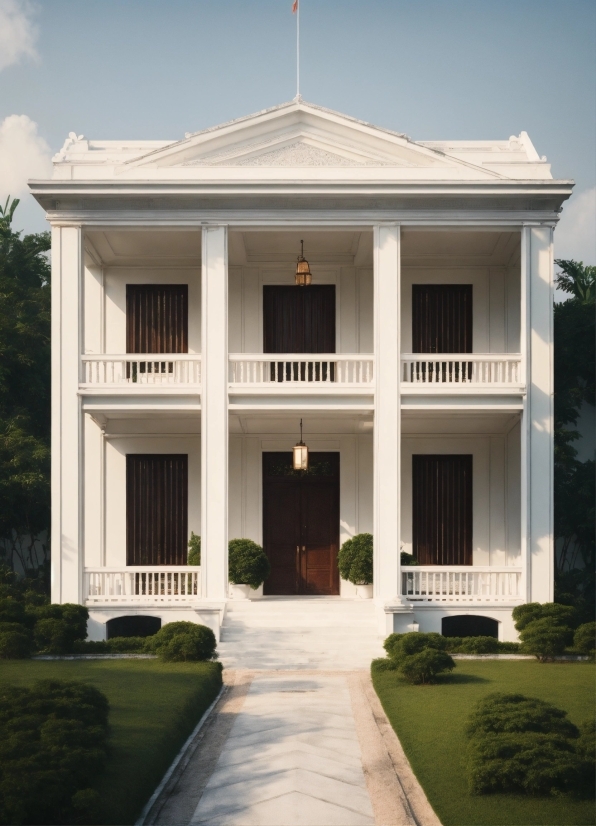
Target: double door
{"x": 301, "y": 524}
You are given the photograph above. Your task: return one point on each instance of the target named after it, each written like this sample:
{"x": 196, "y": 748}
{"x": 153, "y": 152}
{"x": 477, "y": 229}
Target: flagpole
{"x": 298, "y": 51}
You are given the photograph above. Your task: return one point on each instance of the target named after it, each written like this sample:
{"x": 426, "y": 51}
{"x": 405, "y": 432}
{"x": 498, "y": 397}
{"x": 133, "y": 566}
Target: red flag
{"x": 294, "y": 6}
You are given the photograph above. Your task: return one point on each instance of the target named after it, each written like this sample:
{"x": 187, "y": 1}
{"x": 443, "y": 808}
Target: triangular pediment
{"x": 298, "y": 135}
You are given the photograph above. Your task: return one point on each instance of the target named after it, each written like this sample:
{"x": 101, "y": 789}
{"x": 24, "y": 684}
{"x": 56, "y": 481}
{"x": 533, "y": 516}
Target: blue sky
{"x": 457, "y": 69}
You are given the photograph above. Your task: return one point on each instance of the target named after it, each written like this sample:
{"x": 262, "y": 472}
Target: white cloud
{"x": 17, "y": 32}
{"x": 575, "y": 236}
{"x": 23, "y": 154}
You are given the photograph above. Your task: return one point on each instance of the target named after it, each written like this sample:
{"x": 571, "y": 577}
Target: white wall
{"x": 354, "y": 304}
{"x": 496, "y": 303}
{"x": 246, "y": 484}
{"x": 108, "y": 318}
{"x": 495, "y": 506}
{"x": 116, "y": 449}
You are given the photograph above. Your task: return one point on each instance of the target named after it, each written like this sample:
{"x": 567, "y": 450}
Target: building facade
{"x": 419, "y": 361}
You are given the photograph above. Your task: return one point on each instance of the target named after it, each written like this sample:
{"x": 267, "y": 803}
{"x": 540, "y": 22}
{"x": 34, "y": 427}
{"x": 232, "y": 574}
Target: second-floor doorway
{"x": 441, "y": 318}
{"x": 299, "y": 319}
{"x": 157, "y": 318}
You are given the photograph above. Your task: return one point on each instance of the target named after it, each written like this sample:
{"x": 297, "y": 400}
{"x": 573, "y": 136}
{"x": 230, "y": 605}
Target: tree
{"x": 24, "y": 388}
{"x": 574, "y": 368}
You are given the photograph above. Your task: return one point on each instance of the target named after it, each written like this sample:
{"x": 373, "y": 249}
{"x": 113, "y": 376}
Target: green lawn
{"x": 153, "y": 708}
{"x": 430, "y": 722}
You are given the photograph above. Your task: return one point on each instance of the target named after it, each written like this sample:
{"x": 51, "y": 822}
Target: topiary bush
{"x": 15, "y": 641}
{"x": 194, "y": 549}
{"x": 247, "y": 563}
{"x": 355, "y": 559}
{"x": 183, "y": 642}
{"x": 477, "y": 645}
{"x": 584, "y": 639}
{"x": 425, "y": 666}
{"x": 545, "y": 639}
{"x": 58, "y": 627}
{"x": 522, "y": 744}
{"x": 53, "y": 745}
{"x": 419, "y": 657}
{"x": 497, "y": 713}
{"x": 523, "y": 615}
{"x": 407, "y": 560}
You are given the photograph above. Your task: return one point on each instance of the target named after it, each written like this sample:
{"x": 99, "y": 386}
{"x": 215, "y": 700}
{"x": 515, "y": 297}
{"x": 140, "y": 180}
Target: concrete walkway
{"x": 295, "y": 749}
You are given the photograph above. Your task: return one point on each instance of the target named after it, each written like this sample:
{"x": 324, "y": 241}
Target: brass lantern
{"x": 300, "y": 453}
{"x": 303, "y": 274}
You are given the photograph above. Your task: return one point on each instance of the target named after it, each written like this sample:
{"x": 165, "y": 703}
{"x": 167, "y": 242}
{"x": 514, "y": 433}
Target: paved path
{"x": 295, "y": 749}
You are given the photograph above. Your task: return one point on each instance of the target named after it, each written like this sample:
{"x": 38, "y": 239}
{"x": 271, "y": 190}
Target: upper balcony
{"x": 460, "y": 314}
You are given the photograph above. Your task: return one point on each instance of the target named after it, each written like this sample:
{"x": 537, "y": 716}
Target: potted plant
{"x": 355, "y": 562}
{"x": 194, "y": 549}
{"x": 248, "y": 567}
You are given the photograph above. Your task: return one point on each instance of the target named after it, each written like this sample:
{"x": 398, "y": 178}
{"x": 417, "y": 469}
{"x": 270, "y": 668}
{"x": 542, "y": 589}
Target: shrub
{"x": 523, "y": 615}
{"x": 58, "y": 627}
{"x": 391, "y": 644}
{"x": 407, "y": 559}
{"x": 183, "y": 641}
{"x": 194, "y": 549}
{"x": 409, "y": 644}
{"x": 586, "y": 749}
{"x": 355, "y": 559}
{"x": 15, "y": 642}
{"x": 478, "y": 645}
{"x": 248, "y": 563}
{"x": 584, "y": 639}
{"x": 523, "y": 744}
{"x": 53, "y": 744}
{"x": 424, "y": 666}
{"x": 117, "y": 645}
{"x": 528, "y": 762}
{"x": 500, "y": 713}
{"x": 545, "y": 639}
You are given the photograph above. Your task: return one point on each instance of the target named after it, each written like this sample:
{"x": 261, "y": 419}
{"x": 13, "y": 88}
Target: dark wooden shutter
{"x": 442, "y": 509}
{"x": 299, "y": 319}
{"x": 157, "y": 318}
{"x": 441, "y": 318}
{"x": 156, "y": 509}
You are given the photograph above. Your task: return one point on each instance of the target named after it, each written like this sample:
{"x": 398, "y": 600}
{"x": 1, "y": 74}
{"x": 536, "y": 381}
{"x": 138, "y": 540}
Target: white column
{"x": 67, "y": 425}
{"x": 387, "y": 425}
{"x": 538, "y": 427}
{"x": 214, "y": 413}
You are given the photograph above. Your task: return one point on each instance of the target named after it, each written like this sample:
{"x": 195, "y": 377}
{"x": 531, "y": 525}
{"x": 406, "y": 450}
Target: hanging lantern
{"x": 303, "y": 274}
{"x": 300, "y": 453}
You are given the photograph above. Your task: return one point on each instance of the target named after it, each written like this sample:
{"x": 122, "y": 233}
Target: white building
{"x": 420, "y": 361}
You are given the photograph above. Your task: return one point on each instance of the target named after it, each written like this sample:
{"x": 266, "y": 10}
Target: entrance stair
{"x": 300, "y": 633}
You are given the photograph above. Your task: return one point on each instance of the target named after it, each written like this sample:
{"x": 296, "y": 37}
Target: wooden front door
{"x": 442, "y": 509}
{"x": 301, "y": 524}
{"x": 441, "y": 318}
{"x": 299, "y": 319}
{"x": 156, "y": 509}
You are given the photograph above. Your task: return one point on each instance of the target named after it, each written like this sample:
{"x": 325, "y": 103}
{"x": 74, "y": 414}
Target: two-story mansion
{"x": 419, "y": 359}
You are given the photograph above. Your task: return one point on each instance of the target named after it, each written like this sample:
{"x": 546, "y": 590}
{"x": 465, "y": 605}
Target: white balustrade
{"x": 155, "y": 369}
{"x": 446, "y": 583}
{"x": 144, "y": 585}
{"x": 300, "y": 369}
{"x": 461, "y": 368}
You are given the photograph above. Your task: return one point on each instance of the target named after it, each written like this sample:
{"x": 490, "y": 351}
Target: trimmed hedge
{"x": 524, "y": 745}
{"x": 584, "y": 639}
{"x": 419, "y": 657}
{"x": 53, "y": 745}
{"x": 183, "y": 642}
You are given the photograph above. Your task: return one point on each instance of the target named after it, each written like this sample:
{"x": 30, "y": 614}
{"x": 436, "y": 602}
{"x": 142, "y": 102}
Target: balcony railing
{"x": 472, "y": 584}
{"x": 140, "y": 584}
{"x": 301, "y": 369}
{"x": 140, "y": 369}
{"x": 451, "y": 369}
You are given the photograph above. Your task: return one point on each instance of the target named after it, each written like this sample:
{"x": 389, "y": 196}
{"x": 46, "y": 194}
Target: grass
{"x": 153, "y": 708}
{"x": 430, "y": 723}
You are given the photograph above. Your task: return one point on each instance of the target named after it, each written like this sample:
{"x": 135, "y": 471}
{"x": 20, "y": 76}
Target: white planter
{"x": 239, "y": 591}
{"x": 364, "y": 591}
{"x": 256, "y": 594}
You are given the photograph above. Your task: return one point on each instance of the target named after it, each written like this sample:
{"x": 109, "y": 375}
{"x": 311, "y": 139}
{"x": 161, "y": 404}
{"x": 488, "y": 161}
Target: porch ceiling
{"x": 273, "y": 424}
{"x": 460, "y": 423}
{"x": 133, "y": 247}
